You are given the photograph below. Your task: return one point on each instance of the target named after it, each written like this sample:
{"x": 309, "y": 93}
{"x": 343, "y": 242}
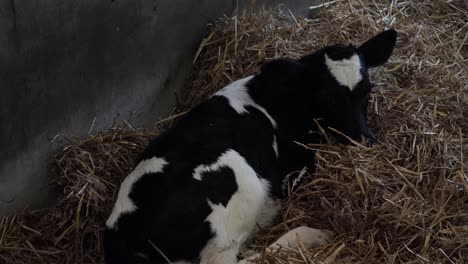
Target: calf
{"x": 205, "y": 186}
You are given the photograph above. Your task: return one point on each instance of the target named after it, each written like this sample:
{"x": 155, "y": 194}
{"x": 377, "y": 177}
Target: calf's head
{"x": 337, "y": 84}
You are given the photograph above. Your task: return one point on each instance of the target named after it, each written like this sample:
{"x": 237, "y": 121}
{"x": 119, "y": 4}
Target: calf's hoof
{"x": 312, "y": 238}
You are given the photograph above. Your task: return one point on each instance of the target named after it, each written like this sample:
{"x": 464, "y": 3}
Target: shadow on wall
{"x": 67, "y": 63}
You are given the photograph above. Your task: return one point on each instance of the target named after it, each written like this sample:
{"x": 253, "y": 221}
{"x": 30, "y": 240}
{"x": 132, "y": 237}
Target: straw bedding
{"x": 405, "y": 200}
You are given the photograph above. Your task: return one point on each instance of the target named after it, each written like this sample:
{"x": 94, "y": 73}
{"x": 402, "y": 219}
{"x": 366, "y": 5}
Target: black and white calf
{"x": 205, "y": 186}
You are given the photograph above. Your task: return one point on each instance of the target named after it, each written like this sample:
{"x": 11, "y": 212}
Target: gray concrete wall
{"x": 65, "y": 63}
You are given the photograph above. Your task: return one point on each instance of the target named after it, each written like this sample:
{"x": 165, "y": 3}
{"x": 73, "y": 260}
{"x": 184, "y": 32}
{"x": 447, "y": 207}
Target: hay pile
{"x": 403, "y": 200}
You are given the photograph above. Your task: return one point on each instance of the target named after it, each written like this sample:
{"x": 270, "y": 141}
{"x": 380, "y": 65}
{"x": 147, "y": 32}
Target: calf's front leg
{"x": 310, "y": 238}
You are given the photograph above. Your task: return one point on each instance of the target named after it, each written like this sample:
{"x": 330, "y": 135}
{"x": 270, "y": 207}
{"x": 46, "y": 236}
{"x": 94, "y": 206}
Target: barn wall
{"x": 64, "y": 64}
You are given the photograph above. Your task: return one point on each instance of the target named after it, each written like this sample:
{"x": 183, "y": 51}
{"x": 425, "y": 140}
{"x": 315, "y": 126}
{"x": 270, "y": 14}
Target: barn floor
{"x": 405, "y": 200}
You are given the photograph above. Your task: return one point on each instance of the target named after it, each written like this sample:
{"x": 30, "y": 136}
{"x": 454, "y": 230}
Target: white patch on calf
{"x": 233, "y": 224}
{"x": 239, "y": 98}
{"x": 347, "y": 72}
{"x": 275, "y": 146}
{"x": 270, "y": 208}
{"x": 199, "y": 170}
{"x": 124, "y": 204}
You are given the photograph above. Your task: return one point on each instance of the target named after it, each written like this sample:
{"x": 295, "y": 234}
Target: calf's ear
{"x": 378, "y": 49}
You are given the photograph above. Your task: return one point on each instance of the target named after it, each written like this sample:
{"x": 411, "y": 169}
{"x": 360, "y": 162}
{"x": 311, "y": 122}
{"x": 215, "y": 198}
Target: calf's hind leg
{"x": 310, "y": 238}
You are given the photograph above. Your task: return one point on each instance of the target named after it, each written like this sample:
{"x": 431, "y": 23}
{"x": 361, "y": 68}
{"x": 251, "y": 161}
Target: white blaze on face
{"x": 124, "y": 204}
{"x": 347, "y": 72}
